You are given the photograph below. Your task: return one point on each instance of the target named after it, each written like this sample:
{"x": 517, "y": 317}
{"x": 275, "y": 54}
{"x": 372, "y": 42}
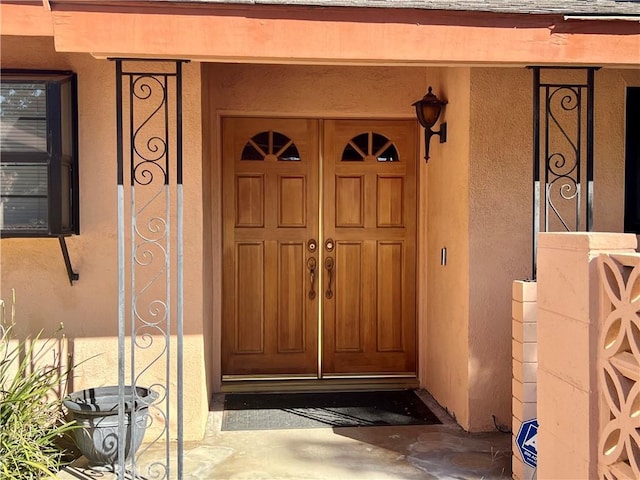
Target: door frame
{"x": 213, "y": 261}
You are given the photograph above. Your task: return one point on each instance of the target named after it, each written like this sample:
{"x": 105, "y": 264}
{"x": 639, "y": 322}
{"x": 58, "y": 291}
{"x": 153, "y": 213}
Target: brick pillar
{"x": 525, "y": 366}
{"x": 568, "y": 311}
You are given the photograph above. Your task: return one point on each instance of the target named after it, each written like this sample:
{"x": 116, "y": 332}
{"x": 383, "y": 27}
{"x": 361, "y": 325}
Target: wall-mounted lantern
{"x": 428, "y": 110}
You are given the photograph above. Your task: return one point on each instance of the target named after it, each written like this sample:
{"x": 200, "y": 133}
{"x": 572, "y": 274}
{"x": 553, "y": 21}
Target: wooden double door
{"x": 319, "y": 239}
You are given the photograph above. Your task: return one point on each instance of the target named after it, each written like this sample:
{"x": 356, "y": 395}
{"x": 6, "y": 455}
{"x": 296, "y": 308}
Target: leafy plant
{"x": 31, "y": 418}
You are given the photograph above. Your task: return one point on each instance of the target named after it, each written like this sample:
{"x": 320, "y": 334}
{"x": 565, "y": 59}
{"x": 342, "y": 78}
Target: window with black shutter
{"x": 38, "y": 154}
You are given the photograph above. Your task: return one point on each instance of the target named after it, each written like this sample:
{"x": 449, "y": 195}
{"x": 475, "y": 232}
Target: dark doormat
{"x": 274, "y": 411}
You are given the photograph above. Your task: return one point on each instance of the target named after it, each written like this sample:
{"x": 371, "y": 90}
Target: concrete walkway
{"x": 350, "y": 453}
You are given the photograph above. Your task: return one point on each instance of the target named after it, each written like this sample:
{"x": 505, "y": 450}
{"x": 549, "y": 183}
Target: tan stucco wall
{"x": 500, "y": 209}
{"x": 610, "y": 98}
{"x": 499, "y": 231}
{"x": 446, "y": 374}
{"x": 315, "y": 91}
{"x": 35, "y": 268}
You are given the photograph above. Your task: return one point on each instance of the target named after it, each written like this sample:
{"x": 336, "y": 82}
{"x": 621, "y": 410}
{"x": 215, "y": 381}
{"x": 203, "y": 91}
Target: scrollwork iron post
{"x": 562, "y": 154}
{"x": 149, "y": 142}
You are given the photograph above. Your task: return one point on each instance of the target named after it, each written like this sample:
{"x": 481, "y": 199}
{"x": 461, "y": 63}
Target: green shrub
{"x": 31, "y": 418}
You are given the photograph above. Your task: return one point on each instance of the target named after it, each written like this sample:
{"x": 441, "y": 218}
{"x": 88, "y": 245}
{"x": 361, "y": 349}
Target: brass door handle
{"x": 312, "y": 265}
{"x": 329, "y": 265}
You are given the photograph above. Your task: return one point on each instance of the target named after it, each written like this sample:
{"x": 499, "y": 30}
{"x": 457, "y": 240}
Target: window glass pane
{"x": 377, "y": 142}
{"x": 390, "y": 154}
{"x": 20, "y": 179}
{"x": 279, "y": 141}
{"x": 350, "y": 154}
{"x": 359, "y": 148}
{"x": 262, "y": 141}
{"x": 250, "y": 153}
{"x": 23, "y": 213}
{"x": 23, "y": 196}
{"x": 290, "y": 154}
{"x": 270, "y": 143}
{"x": 23, "y": 117}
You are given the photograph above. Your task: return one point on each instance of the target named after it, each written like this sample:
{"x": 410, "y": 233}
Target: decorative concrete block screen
{"x": 525, "y": 366}
{"x": 588, "y": 394}
{"x": 619, "y": 367}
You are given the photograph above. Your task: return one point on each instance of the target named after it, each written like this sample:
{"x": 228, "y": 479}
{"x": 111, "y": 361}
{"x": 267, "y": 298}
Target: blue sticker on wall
{"x": 527, "y": 442}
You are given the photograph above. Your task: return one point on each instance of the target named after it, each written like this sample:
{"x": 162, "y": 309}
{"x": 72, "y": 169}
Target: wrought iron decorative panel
{"x": 149, "y": 135}
{"x": 563, "y": 134}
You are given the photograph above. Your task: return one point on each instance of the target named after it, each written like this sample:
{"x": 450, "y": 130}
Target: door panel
{"x": 390, "y": 295}
{"x": 348, "y": 273}
{"x": 349, "y": 201}
{"x": 291, "y": 298}
{"x": 369, "y": 325}
{"x": 249, "y": 319}
{"x": 270, "y": 212}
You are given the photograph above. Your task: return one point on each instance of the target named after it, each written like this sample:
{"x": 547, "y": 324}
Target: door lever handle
{"x": 312, "y": 265}
{"x": 329, "y": 265}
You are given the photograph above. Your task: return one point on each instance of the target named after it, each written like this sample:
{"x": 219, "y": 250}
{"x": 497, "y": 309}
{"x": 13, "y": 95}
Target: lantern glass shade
{"x": 428, "y": 109}
{"x": 428, "y": 114}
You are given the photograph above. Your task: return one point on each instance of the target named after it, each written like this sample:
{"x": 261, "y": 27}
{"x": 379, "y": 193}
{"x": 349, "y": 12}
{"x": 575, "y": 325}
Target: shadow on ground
{"x": 406, "y": 452}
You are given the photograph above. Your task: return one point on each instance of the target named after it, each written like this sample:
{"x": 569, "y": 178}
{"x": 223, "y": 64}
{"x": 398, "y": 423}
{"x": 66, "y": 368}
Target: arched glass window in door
{"x": 370, "y": 146}
{"x": 271, "y": 145}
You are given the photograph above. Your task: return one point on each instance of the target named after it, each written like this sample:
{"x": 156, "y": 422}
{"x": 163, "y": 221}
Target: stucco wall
{"x": 499, "y": 231}
{"x": 446, "y": 375}
{"x": 315, "y": 91}
{"x": 500, "y": 209}
{"x": 35, "y": 268}
{"x": 610, "y": 98}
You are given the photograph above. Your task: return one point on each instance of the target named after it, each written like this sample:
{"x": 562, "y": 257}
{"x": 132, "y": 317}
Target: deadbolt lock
{"x": 329, "y": 245}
